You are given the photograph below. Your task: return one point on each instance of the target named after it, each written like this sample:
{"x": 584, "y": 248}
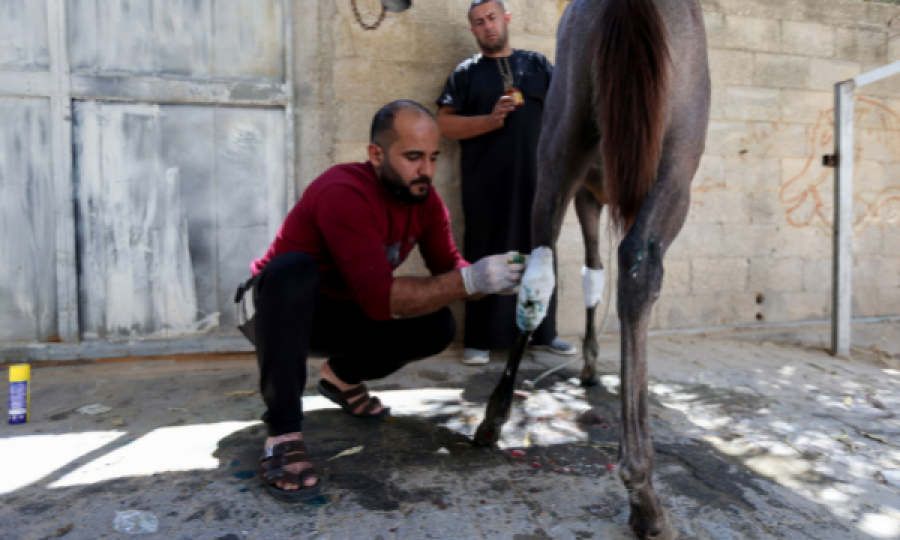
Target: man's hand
{"x": 494, "y": 274}
{"x": 504, "y": 106}
{"x": 456, "y": 126}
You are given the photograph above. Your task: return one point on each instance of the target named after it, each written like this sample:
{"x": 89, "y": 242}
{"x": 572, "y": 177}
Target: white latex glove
{"x": 494, "y": 274}
{"x": 536, "y": 290}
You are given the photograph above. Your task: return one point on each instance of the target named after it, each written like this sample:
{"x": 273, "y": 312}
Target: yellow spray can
{"x": 19, "y": 393}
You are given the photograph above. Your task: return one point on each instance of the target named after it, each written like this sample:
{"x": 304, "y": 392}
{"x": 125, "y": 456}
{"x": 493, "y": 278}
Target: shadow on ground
{"x": 417, "y": 475}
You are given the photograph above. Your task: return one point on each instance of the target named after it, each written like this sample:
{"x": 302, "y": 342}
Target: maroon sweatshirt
{"x": 358, "y": 234}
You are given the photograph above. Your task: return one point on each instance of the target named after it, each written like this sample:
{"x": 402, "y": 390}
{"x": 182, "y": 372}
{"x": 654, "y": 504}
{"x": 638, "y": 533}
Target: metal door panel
{"x": 168, "y": 223}
{"x": 28, "y": 271}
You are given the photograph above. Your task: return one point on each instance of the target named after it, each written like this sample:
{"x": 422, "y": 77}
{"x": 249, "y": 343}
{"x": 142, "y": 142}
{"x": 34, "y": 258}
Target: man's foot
{"x": 476, "y": 357}
{"x": 557, "y": 346}
{"x": 357, "y": 403}
{"x": 295, "y": 468}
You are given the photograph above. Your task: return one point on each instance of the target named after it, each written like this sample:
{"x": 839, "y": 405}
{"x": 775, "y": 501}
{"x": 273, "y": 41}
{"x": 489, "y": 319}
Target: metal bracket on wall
{"x": 829, "y": 160}
{"x": 394, "y": 6}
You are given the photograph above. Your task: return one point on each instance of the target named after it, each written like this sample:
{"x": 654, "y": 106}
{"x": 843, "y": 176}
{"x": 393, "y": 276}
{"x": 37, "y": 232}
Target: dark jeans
{"x": 294, "y": 320}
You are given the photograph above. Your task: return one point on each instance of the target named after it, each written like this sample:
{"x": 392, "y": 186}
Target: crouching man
{"x": 326, "y": 286}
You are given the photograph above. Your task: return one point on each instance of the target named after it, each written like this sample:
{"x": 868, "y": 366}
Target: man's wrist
{"x": 468, "y": 281}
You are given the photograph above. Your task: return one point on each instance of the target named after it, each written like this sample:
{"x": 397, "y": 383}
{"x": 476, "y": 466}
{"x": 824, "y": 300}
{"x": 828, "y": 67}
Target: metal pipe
{"x": 842, "y": 282}
{"x": 877, "y": 74}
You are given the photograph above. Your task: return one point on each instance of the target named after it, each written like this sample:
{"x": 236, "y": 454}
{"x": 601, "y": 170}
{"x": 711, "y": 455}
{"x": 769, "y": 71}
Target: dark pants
{"x": 294, "y": 320}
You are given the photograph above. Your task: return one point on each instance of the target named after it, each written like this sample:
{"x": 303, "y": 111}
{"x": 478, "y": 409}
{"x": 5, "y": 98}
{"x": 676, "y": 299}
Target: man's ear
{"x": 376, "y": 154}
{"x": 508, "y": 17}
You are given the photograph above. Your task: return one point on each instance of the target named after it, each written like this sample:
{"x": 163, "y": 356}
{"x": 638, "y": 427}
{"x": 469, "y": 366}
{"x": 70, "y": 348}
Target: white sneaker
{"x": 558, "y": 346}
{"x": 476, "y": 357}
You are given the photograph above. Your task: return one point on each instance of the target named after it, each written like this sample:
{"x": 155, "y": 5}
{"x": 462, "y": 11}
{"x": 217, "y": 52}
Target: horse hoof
{"x": 486, "y": 436}
{"x": 588, "y": 382}
{"x": 639, "y": 528}
{"x": 669, "y": 533}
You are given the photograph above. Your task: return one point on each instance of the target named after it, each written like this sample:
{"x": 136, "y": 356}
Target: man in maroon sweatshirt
{"x": 326, "y": 287}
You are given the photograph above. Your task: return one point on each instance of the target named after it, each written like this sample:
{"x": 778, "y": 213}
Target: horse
{"x": 625, "y": 125}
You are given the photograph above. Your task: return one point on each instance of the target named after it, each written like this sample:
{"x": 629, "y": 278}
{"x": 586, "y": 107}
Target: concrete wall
{"x": 756, "y": 246}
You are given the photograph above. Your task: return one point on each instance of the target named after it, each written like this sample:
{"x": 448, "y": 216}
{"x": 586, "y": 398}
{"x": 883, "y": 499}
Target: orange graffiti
{"x": 762, "y": 138}
{"x": 807, "y": 195}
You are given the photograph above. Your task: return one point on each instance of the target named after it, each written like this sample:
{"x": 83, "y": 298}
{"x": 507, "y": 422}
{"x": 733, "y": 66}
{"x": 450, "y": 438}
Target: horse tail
{"x": 630, "y": 78}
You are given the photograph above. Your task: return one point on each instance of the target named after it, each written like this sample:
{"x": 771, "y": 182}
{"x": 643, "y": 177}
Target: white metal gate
{"x": 842, "y": 160}
{"x": 146, "y": 153}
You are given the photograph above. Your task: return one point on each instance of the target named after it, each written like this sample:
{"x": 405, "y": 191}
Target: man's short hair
{"x": 476, "y": 3}
{"x": 383, "y": 133}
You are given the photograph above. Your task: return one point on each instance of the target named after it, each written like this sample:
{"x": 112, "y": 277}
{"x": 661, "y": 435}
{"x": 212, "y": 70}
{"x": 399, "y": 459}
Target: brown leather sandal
{"x": 271, "y": 468}
{"x": 369, "y": 403}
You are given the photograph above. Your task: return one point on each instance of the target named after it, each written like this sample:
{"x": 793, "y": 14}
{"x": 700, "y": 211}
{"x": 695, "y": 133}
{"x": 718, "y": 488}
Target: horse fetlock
{"x": 589, "y": 376}
{"x": 634, "y": 474}
{"x": 487, "y": 434}
{"x": 590, "y": 352}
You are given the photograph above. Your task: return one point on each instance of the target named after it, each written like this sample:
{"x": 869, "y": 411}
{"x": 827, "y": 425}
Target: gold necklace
{"x": 505, "y": 72}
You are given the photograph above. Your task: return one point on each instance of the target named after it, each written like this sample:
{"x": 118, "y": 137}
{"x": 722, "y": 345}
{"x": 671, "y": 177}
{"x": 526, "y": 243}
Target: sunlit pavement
{"x": 755, "y": 438}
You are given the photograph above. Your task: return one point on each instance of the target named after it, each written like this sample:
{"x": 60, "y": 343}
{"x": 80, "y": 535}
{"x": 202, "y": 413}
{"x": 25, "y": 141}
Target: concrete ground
{"x": 756, "y": 437}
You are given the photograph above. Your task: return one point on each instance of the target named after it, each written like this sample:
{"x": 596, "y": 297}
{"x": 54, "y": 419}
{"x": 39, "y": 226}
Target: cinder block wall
{"x": 757, "y": 243}
{"x": 762, "y": 202}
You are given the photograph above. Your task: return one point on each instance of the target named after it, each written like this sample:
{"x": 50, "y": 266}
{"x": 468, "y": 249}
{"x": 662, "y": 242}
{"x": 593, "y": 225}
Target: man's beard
{"x": 502, "y": 39}
{"x": 398, "y": 189}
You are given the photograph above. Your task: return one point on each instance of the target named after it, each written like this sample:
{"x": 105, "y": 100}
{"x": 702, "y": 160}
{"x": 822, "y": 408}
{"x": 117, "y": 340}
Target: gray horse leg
{"x": 640, "y": 278}
{"x": 498, "y": 410}
{"x": 588, "y": 209}
{"x": 641, "y": 253}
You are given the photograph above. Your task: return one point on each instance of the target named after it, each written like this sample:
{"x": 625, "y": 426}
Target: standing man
{"x": 492, "y": 104}
{"x": 326, "y": 285}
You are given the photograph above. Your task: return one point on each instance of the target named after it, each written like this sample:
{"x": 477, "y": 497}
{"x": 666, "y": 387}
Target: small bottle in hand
{"x": 516, "y": 95}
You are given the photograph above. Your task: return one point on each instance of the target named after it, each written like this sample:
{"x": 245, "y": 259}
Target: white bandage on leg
{"x": 592, "y": 283}
{"x": 536, "y": 290}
